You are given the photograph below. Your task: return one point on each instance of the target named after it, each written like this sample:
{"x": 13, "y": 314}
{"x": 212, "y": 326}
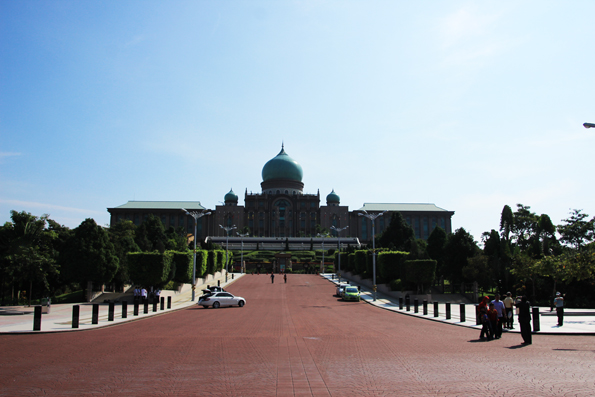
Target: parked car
{"x": 351, "y": 293}
{"x": 341, "y": 288}
{"x": 221, "y": 299}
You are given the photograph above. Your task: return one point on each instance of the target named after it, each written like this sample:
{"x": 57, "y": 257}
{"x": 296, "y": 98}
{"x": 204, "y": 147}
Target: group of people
{"x": 273, "y": 278}
{"x": 141, "y": 295}
{"x": 496, "y": 315}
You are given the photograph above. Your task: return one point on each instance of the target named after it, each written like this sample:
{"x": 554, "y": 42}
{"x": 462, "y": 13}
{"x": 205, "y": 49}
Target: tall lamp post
{"x": 196, "y": 215}
{"x": 242, "y": 257}
{"x": 227, "y": 230}
{"x": 339, "y": 230}
{"x": 323, "y": 235}
{"x": 373, "y": 217}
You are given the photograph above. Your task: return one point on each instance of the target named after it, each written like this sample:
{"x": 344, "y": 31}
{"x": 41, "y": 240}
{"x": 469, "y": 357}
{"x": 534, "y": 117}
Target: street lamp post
{"x": 373, "y": 217}
{"x": 242, "y": 257}
{"x": 196, "y": 215}
{"x": 339, "y": 230}
{"x": 324, "y": 235}
{"x": 227, "y": 230}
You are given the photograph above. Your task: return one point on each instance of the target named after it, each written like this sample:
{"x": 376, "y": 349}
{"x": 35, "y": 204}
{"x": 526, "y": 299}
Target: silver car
{"x": 341, "y": 289}
{"x": 221, "y": 299}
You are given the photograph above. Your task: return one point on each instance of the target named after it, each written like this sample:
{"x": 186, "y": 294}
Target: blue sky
{"x": 469, "y": 105}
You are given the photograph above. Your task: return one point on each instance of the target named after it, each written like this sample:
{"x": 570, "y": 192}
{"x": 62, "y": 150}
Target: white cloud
{"x": 8, "y": 154}
{"x": 46, "y": 207}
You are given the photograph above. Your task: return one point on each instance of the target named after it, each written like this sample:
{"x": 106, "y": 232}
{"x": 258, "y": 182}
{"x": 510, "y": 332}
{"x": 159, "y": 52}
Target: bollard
{"x": 536, "y": 326}
{"x": 76, "y": 314}
{"x": 218, "y": 283}
{"x": 400, "y": 303}
{"x": 162, "y": 303}
{"x": 146, "y": 307}
{"x": 462, "y": 305}
{"x": 435, "y": 309}
{"x": 37, "y": 319}
{"x": 110, "y": 311}
{"x": 232, "y": 276}
{"x": 95, "y": 318}
{"x": 333, "y": 276}
{"x": 425, "y": 306}
{"x": 136, "y": 308}
{"x": 477, "y": 317}
{"x": 169, "y": 302}
{"x": 124, "y": 309}
{"x": 407, "y": 302}
{"x": 447, "y": 310}
{"x": 415, "y": 306}
{"x": 154, "y": 305}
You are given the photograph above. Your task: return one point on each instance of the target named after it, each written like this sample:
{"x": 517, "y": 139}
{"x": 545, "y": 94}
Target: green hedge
{"x": 420, "y": 272}
{"x": 150, "y": 268}
{"x": 183, "y": 262}
{"x": 360, "y": 262}
{"x": 389, "y": 265}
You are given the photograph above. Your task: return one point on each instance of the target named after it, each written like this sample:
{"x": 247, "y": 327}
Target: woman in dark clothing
{"x": 525, "y": 319}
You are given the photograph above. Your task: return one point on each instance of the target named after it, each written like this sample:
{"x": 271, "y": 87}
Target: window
{"x": 442, "y": 223}
{"x": 364, "y": 228}
{"x": 136, "y": 219}
{"x": 425, "y": 225}
{"x": 416, "y": 227}
{"x": 260, "y": 223}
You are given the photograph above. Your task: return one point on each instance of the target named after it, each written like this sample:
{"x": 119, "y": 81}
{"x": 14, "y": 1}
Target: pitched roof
{"x": 402, "y": 207}
{"x": 161, "y": 205}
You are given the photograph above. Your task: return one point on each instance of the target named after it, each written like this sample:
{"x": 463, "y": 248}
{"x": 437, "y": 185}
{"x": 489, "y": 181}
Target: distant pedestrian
{"x": 486, "y": 329}
{"x": 499, "y": 306}
{"x": 508, "y": 305}
{"x": 525, "y": 319}
{"x": 560, "y": 308}
{"x": 136, "y": 294}
{"x": 143, "y": 293}
{"x": 493, "y": 317}
{"x": 272, "y": 278}
{"x": 157, "y": 294}
{"x": 285, "y": 278}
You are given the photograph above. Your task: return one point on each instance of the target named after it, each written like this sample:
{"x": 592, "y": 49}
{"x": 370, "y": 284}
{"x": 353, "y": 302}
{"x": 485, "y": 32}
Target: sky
{"x": 470, "y": 105}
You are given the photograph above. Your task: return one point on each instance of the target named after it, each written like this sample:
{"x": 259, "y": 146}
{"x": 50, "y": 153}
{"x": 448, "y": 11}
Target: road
{"x": 292, "y": 339}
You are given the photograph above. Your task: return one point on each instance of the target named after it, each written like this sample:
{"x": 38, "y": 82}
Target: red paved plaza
{"x": 293, "y": 339}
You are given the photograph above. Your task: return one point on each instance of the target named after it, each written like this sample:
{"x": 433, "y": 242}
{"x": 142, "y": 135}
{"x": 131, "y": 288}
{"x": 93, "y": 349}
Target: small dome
{"x": 231, "y": 196}
{"x": 333, "y": 198}
{"x": 282, "y": 167}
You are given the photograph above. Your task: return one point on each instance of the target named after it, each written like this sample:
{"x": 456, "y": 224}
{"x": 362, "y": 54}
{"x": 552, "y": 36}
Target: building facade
{"x": 282, "y": 210}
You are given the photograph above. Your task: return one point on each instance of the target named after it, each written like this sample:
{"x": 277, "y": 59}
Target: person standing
{"x": 499, "y": 306}
{"x": 508, "y": 305}
{"x": 560, "y": 308}
{"x": 525, "y": 319}
{"x": 285, "y": 278}
{"x": 143, "y": 293}
{"x": 272, "y": 278}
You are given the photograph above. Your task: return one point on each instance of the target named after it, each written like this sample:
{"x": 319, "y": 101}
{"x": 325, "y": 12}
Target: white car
{"x": 341, "y": 288}
{"x": 221, "y": 299}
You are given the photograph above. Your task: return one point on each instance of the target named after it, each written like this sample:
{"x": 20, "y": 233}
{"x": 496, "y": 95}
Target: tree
{"x": 459, "y": 246}
{"x": 90, "y": 255}
{"x": 524, "y": 227}
{"x": 397, "y": 235}
{"x": 577, "y": 231}
{"x": 506, "y": 222}
{"x": 150, "y": 235}
{"x": 122, "y": 236}
{"x": 478, "y": 269}
{"x": 436, "y": 246}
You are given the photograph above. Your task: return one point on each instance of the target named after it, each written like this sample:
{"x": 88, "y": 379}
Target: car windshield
{"x": 351, "y": 289}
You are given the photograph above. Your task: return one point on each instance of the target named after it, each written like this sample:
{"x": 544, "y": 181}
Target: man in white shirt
{"x": 499, "y": 306}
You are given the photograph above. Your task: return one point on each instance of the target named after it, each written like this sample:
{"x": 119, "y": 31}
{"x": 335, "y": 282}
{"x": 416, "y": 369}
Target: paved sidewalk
{"x": 576, "y": 321}
{"x": 60, "y": 317}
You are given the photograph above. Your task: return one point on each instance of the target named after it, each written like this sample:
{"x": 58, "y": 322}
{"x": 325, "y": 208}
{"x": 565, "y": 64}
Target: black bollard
{"x": 124, "y": 309}
{"x": 232, "y": 276}
{"x": 400, "y": 303}
{"x": 162, "y": 303}
{"x": 408, "y": 303}
{"x": 95, "y": 318}
{"x": 477, "y": 316}
{"x": 154, "y": 305}
{"x": 110, "y": 311}
{"x": 76, "y": 314}
{"x": 536, "y": 325}
{"x": 136, "y": 308}
{"x": 169, "y": 302}
{"x": 435, "y": 309}
{"x": 447, "y": 310}
{"x": 462, "y": 312}
{"x": 37, "y": 319}
{"x": 146, "y": 307}
{"x": 425, "y": 306}
{"x": 218, "y": 283}
{"x": 415, "y": 306}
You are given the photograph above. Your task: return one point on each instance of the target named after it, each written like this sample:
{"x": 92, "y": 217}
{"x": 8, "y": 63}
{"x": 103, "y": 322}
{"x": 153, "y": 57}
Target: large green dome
{"x": 282, "y": 167}
{"x": 231, "y": 196}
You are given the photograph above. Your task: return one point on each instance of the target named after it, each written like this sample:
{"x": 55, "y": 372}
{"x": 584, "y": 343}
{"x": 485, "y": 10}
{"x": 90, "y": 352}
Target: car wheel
{"x": 216, "y": 305}
{"x": 241, "y": 303}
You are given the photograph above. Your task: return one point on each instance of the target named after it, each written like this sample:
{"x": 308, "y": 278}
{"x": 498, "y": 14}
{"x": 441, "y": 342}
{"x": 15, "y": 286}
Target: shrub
{"x": 420, "y": 272}
{"x": 150, "y": 268}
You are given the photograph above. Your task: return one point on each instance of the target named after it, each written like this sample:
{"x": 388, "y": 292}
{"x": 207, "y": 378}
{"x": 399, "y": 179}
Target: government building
{"x": 281, "y": 210}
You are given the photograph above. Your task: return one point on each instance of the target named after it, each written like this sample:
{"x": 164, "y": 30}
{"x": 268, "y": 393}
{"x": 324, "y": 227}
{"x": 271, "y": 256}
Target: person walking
{"x": 272, "y": 278}
{"x": 508, "y": 305}
{"x": 560, "y": 308}
{"x": 285, "y": 278}
{"x": 499, "y": 306}
{"x": 486, "y": 331}
{"x": 525, "y": 319}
